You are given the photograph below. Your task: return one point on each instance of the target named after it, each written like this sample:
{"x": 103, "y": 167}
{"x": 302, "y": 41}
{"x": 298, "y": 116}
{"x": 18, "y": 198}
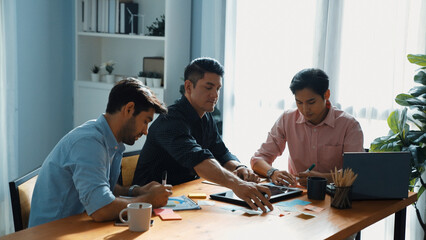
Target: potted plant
{"x": 156, "y": 80}
{"x": 95, "y": 73}
{"x": 142, "y": 77}
{"x": 401, "y": 138}
{"x": 157, "y": 27}
{"x": 149, "y": 80}
{"x": 109, "y": 67}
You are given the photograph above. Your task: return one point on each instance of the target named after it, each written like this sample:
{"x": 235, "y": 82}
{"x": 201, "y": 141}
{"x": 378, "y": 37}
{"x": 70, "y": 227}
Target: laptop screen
{"x": 380, "y": 175}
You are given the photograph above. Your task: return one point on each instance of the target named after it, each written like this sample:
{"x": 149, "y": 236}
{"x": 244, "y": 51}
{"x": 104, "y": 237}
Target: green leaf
{"x": 393, "y": 120}
{"x": 416, "y": 137}
{"x": 401, "y": 99}
{"x": 417, "y": 101}
{"x": 389, "y": 143}
{"x": 417, "y": 91}
{"x": 418, "y": 59}
{"x": 403, "y": 127}
{"x": 419, "y": 117}
{"x": 420, "y": 77}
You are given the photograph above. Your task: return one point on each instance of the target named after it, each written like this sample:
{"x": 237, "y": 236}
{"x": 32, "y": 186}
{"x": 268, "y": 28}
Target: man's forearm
{"x": 120, "y": 190}
{"x": 211, "y": 170}
{"x": 261, "y": 167}
{"x": 111, "y": 211}
{"x": 231, "y": 165}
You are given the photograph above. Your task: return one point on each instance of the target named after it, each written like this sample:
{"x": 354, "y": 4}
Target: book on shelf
{"x": 117, "y": 16}
{"x": 86, "y": 15}
{"x": 109, "y": 16}
{"x": 93, "y": 20}
{"x": 99, "y": 16}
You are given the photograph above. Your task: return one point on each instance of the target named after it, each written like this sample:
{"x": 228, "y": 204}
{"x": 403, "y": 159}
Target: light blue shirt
{"x": 78, "y": 175}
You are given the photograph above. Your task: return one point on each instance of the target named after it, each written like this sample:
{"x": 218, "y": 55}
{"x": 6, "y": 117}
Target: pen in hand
{"x": 307, "y": 170}
{"x": 164, "y": 178}
{"x": 310, "y": 168}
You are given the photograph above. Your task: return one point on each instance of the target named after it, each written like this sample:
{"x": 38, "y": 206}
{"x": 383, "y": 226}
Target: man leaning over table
{"x": 315, "y": 133}
{"x": 81, "y": 172}
{"x": 186, "y": 143}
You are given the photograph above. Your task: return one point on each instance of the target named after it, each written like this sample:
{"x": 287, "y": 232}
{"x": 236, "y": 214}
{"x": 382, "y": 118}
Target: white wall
{"x": 40, "y": 36}
{"x": 208, "y": 32}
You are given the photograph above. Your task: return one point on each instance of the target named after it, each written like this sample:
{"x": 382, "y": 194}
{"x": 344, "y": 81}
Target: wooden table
{"x": 215, "y": 222}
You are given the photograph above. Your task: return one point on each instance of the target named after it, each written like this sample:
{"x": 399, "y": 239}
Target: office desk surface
{"x": 214, "y": 222}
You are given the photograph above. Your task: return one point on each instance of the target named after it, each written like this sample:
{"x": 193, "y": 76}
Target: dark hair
{"x": 312, "y": 78}
{"x": 132, "y": 90}
{"x": 199, "y": 66}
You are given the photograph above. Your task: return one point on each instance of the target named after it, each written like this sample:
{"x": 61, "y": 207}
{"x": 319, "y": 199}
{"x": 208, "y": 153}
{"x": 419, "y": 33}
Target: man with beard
{"x": 81, "y": 172}
{"x": 186, "y": 143}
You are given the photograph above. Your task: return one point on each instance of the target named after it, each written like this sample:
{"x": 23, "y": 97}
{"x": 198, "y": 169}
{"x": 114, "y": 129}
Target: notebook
{"x": 380, "y": 175}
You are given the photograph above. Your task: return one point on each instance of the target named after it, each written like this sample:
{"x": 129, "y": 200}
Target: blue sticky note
{"x": 293, "y": 203}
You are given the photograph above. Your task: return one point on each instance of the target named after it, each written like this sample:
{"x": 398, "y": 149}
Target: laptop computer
{"x": 278, "y": 193}
{"x": 380, "y": 175}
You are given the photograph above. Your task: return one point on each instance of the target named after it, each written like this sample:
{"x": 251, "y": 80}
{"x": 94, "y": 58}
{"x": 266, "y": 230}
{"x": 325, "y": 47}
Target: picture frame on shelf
{"x": 154, "y": 65}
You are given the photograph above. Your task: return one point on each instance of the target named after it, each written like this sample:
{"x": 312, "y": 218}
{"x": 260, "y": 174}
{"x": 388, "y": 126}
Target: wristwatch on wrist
{"x": 240, "y": 166}
{"x": 270, "y": 172}
{"x": 130, "y": 193}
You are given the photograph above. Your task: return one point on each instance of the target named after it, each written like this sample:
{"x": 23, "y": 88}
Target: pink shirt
{"x": 322, "y": 144}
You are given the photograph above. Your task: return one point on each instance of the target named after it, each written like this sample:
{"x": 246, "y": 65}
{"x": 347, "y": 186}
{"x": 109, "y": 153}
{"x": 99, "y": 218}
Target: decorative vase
{"x": 156, "y": 82}
{"x": 110, "y": 78}
{"x": 142, "y": 79}
{"x": 95, "y": 77}
{"x": 149, "y": 82}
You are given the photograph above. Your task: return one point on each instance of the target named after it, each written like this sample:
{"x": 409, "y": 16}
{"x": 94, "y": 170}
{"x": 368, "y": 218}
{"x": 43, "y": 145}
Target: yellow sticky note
{"x": 197, "y": 195}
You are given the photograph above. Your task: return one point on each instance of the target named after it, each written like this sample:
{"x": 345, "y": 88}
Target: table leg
{"x": 358, "y": 236}
{"x": 399, "y": 228}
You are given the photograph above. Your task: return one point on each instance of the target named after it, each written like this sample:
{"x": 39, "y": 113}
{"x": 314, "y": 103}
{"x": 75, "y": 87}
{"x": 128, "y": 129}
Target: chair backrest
{"x": 21, "y": 193}
{"x": 128, "y": 166}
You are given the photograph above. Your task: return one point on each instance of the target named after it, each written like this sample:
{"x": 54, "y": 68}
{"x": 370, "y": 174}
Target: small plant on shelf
{"x": 155, "y": 75}
{"x": 109, "y": 67}
{"x": 95, "y": 69}
{"x": 149, "y": 74}
{"x": 142, "y": 74}
{"x": 157, "y": 27}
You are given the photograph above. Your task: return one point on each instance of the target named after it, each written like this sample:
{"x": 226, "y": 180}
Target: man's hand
{"x": 283, "y": 178}
{"x": 303, "y": 177}
{"x": 246, "y": 174}
{"x": 254, "y": 195}
{"x": 144, "y": 189}
{"x": 156, "y": 194}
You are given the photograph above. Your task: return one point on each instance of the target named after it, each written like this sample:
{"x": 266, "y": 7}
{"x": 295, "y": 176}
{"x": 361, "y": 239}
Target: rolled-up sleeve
{"x": 90, "y": 167}
{"x": 273, "y": 146}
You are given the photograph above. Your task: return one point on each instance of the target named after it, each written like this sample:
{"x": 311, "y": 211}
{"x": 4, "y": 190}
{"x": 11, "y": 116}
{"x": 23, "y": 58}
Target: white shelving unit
{"x": 128, "y": 51}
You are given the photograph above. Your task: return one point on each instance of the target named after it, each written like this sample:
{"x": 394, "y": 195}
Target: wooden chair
{"x": 21, "y": 193}
{"x": 128, "y": 167}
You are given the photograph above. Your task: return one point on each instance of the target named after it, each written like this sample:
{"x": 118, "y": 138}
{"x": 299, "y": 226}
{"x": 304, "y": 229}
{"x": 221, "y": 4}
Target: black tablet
{"x": 279, "y": 193}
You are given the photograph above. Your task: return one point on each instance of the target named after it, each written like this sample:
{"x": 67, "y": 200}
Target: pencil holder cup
{"x": 342, "y": 198}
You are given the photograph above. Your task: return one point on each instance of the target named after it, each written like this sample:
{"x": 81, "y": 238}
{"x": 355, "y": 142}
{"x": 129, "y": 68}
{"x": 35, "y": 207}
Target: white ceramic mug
{"x": 138, "y": 216}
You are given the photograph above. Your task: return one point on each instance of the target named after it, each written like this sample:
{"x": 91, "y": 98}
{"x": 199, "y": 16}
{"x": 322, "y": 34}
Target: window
{"x": 362, "y": 45}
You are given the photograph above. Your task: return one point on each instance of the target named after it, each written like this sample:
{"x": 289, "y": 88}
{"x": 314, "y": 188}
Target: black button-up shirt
{"x": 178, "y": 141}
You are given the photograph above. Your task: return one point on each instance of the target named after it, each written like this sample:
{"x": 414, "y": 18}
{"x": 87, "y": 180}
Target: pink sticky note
{"x": 167, "y": 214}
{"x": 313, "y": 208}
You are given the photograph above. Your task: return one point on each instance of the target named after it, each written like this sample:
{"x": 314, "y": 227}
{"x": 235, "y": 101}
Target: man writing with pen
{"x": 316, "y": 134}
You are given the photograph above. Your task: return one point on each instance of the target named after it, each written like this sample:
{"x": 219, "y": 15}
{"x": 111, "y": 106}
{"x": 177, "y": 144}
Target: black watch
{"x": 270, "y": 172}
